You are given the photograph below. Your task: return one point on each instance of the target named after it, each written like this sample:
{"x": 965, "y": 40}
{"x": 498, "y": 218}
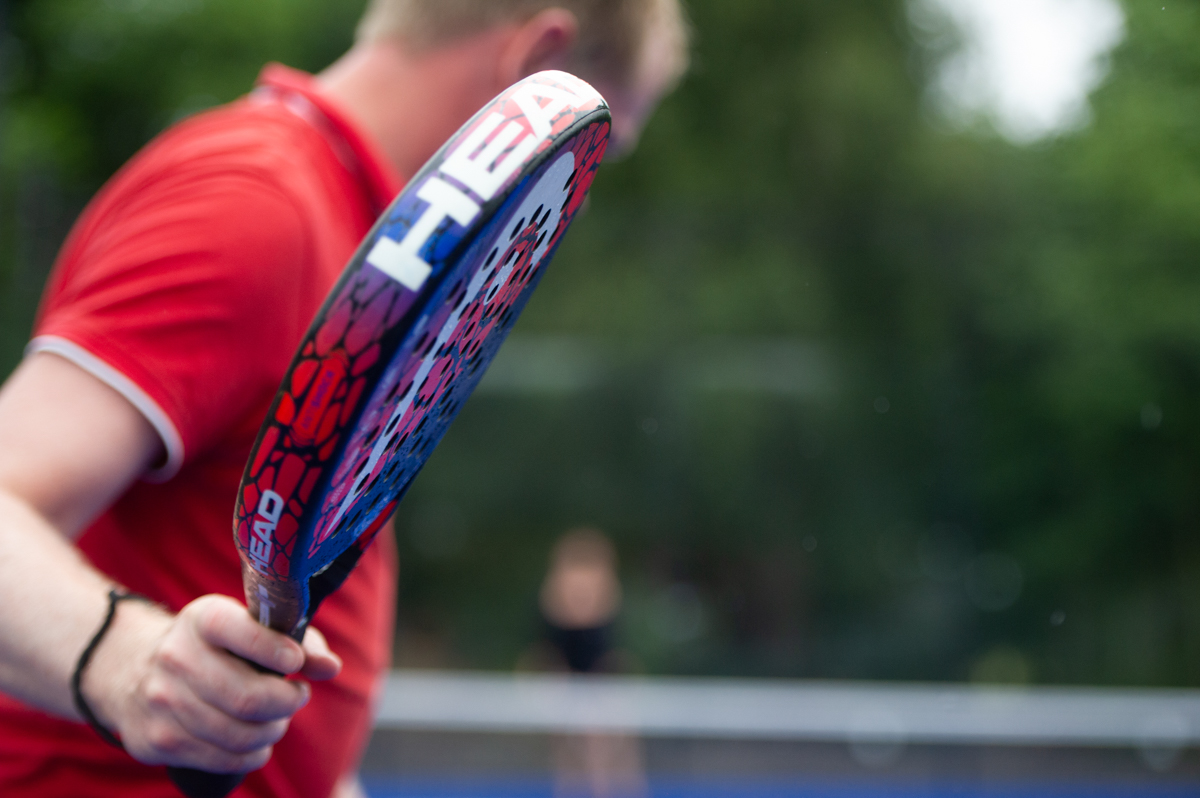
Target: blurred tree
{"x": 85, "y": 84}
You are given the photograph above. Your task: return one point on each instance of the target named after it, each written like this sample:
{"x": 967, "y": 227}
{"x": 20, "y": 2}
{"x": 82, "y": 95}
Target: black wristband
{"x": 115, "y": 597}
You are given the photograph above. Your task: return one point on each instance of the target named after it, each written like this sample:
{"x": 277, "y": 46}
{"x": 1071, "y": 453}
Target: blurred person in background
{"x": 169, "y": 320}
{"x": 579, "y": 602}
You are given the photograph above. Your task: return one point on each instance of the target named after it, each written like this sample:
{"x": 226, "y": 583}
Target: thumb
{"x": 320, "y": 663}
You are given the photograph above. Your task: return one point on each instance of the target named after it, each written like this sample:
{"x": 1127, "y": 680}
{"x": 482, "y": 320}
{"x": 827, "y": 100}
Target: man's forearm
{"x": 165, "y": 683}
{"x": 54, "y": 602}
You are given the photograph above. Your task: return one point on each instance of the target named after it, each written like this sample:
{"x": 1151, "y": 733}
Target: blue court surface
{"x": 752, "y": 788}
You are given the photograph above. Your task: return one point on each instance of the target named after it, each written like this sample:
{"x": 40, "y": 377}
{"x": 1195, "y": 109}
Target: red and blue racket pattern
{"x": 405, "y": 336}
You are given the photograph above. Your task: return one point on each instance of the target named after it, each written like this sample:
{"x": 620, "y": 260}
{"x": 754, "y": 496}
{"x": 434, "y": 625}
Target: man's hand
{"x": 177, "y": 694}
{"x": 168, "y": 685}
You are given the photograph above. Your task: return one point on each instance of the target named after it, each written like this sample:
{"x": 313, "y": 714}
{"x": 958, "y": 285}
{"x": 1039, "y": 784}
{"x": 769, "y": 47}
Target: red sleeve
{"x": 181, "y": 293}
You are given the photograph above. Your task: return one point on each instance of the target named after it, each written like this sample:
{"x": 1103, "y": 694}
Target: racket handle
{"x": 202, "y": 784}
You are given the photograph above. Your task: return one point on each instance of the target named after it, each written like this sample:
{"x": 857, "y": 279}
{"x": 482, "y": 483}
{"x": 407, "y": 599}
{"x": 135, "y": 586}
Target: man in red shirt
{"x": 166, "y": 327}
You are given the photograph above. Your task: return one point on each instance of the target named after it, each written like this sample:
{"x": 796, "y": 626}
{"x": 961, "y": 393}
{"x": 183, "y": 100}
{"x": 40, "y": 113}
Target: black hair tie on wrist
{"x": 115, "y": 597}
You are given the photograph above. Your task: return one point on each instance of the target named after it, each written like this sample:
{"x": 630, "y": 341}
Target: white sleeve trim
{"x": 114, "y": 379}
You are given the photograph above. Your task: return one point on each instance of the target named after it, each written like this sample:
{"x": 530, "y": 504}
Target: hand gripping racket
{"x": 402, "y": 339}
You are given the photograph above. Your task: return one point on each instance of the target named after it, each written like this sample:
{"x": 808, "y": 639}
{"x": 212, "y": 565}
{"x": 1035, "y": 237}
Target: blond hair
{"x": 614, "y": 35}
{"x": 584, "y": 546}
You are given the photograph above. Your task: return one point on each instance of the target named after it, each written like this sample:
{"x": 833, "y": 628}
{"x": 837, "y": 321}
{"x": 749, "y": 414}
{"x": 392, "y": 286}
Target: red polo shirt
{"x": 186, "y": 285}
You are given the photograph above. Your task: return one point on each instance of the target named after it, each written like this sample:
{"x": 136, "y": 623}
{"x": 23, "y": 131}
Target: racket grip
{"x": 202, "y": 784}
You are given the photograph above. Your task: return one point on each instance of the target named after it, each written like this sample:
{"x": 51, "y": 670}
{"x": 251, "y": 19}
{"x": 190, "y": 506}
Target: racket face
{"x": 406, "y": 335}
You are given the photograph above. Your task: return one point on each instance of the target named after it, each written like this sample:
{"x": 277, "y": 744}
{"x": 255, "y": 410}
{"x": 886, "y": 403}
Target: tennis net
{"x": 459, "y": 734}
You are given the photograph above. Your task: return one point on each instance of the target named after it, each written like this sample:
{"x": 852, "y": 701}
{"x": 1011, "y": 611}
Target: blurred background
{"x": 877, "y": 360}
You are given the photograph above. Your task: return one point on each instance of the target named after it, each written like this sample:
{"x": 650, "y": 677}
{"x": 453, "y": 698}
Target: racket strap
{"x": 115, "y": 597}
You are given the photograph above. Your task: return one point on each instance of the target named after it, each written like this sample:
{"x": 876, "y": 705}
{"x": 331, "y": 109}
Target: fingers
{"x": 201, "y": 706}
{"x": 215, "y": 627}
{"x": 209, "y": 725}
{"x": 229, "y": 684}
{"x": 225, "y": 624}
{"x": 320, "y": 662}
{"x": 164, "y": 739}
{"x": 196, "y": 704}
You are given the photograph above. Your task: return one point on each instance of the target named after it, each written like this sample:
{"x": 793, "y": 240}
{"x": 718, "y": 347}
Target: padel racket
{"x": 402, "y": 339}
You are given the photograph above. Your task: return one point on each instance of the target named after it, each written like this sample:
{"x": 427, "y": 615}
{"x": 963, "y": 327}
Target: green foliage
{"x": 85, "y": 84}
{"x": 92, "y": 81}
{"x": 867, "y": 397}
